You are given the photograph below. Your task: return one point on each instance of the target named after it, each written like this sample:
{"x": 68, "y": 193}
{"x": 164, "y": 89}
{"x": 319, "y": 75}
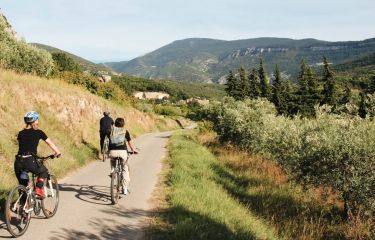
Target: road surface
{"x": 85, "y": 210}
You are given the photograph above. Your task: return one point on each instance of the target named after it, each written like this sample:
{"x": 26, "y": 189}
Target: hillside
{"x": 83, "y": 63}
{"x": 176, "y": 89}
{"x": 16, "y": 54}
{"x": 363, "y": 65}
{"x": 68, "y": 114}
{"x": 209, "y": 60}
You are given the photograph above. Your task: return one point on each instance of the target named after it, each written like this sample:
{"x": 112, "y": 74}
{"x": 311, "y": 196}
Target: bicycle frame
{"x": 22, "y": 200}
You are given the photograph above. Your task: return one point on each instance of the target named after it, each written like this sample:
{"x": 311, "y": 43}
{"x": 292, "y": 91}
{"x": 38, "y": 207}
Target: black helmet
{"x": 106, "y": 113}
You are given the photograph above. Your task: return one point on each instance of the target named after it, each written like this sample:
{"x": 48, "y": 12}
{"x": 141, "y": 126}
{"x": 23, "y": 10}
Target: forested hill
{"x": 209, "y": 60}
{"x": 83, "y": 63}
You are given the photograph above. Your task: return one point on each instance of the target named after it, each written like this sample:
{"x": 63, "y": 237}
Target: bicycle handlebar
{"x": 134, "y": 152}
{"x": 52, "y": 156}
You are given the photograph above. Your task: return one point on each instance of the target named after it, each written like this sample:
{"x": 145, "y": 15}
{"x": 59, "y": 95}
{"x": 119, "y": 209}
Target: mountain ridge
{"x": 209, "y": 60}
{"x": 83, "y": 63}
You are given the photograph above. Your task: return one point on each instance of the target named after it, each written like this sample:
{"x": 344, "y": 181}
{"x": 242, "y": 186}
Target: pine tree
{"x": 329, "y": 91}
{"x": 277, "y": 91}
{"x": 308, "y": 93}
{"x": 347, "y": 95}
{"x": 312, "y": 86}
{"x": 264, "y": 84}
{"x": 291, "y": 99}
{"x": 244, "y": 84}
{"x": 371, "y": 88}
{"x": 234, "y": 87}
{"x": 230, "y": 84}
{"x": 303, "y": 87}
{"x": 254, "y": 84}
{"x": 305, "y": 106}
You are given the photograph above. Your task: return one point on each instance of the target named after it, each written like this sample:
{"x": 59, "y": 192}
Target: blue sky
{"x": 114, "y": 30}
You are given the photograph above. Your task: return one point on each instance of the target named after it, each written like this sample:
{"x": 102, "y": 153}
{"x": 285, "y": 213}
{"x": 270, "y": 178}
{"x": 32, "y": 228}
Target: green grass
{"x": 212, "y": 191}
{"x": 198, "y": 204}
{"x": 295, "y": 212}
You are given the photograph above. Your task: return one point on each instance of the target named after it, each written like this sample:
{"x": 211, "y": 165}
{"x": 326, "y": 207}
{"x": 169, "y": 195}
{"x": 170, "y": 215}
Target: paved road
{"x": 85, "y": 210}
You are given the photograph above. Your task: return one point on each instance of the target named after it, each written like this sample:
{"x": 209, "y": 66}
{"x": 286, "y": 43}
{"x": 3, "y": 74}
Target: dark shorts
{"x": 29, "y": 164}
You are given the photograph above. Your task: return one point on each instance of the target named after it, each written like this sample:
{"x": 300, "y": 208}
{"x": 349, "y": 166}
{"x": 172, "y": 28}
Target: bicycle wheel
{"x": 51, "y": 202}
{"x": 37, "y": 206}
{"x": 115, "y": 188}
{"x": 17, "y": 212}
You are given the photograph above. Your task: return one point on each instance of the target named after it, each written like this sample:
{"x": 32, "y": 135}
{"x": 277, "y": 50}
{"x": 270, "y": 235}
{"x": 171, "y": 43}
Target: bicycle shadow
{"x": 92, "y": 194}
{"x": 111, "y": 226}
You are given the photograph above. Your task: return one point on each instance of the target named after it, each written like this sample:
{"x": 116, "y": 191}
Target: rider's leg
{"x": 18, "y": 168}
{"x": 112, "y": 163}
{"x": 126, "y": 173}
{"x": 123, "y": 154}
{"x": 38, "y": 169}
{"x": 102, "y": 136}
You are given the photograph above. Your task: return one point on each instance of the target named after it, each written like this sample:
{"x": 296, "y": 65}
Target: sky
{"x": 116, "y": 30}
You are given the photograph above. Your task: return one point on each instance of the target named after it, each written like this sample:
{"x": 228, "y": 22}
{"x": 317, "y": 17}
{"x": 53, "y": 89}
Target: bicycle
{"x": 22, "y": 200}
{"x": 117, "y": 185}
{"x": 105, "y": 150}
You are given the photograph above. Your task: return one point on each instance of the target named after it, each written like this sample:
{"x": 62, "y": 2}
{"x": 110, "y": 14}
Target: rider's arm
{"x": 53, "y": 147}
{"x": 132, "y": 147}
{"x": 130, "y": 143}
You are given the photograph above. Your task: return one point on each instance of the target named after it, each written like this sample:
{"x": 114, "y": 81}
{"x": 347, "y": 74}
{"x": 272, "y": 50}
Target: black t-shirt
{"x": 121, "y": 147}
{"x": 28, "y": 140}
{"x": 106, "y": 124}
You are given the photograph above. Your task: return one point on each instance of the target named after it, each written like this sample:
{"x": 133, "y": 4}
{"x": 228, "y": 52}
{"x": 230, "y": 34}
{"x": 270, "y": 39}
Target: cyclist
{"x": 28, "y": 140}
{"x": 120, "y": 137}
{"x": 106, "y": 124}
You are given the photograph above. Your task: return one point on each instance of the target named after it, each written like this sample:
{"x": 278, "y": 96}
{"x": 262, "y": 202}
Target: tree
{"x": 64, "y": 63}
{"x": 230, "y": 84}
{"x": 291, "y": 99}
{"x": 312, "y": 86}
{"x": 233, "y": 87}
{"x": 303, "y": 88}
{"x": 329, "y": 85}
{"x": 264, "y": 84}
{"x": 307, "y": 91}
{"x": 362, "y": 111}
{"x": 244, "y": 84}
{"x": 347, "y": 95}
{"x": 277, "y": 91}
{"x": 254, "y": 84}
{"x": 371, "y": 88}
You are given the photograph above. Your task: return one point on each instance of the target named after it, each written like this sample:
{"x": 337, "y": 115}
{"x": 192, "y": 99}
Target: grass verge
{"x": 211, "y": 191}
{"x": 196, "y": 205}
{"x": 294, "y": 211}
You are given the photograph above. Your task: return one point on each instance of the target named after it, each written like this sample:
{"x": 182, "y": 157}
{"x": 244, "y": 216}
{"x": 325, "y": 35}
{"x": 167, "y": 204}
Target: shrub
{"x": 331, "y": 150}
{"x": 167, "y": 110}
{"x": 19, "y": 56}
{"x": 106, "y": 90}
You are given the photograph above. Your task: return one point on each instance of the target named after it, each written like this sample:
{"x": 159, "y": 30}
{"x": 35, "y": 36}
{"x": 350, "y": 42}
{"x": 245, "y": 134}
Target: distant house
{"x": 151, "y": 95}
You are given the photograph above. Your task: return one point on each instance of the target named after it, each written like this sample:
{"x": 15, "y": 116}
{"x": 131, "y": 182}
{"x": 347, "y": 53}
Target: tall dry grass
{"x": 295, "y": 212}
{"x": 68, "y": 114}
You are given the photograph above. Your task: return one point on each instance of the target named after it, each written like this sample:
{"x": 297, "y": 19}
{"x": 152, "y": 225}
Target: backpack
{"x": 118, "y": 136}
